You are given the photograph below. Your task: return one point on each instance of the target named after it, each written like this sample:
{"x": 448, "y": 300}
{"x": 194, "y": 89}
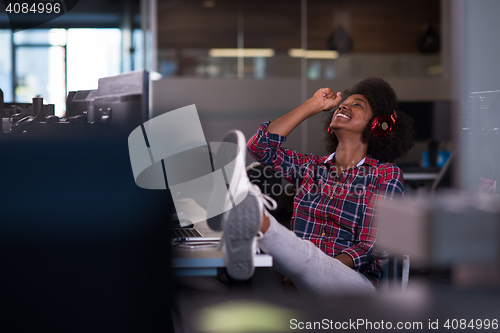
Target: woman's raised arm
{"x": 323, "y": 100}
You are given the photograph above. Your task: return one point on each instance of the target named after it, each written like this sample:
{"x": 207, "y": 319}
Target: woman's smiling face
{"x": 352, "y": 115}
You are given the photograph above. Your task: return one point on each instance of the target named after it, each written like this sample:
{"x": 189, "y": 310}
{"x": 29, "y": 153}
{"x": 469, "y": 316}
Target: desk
{"x": 418, "y": 179}
{"x": 206, "y": 261}
{"x": 420, "y": 175}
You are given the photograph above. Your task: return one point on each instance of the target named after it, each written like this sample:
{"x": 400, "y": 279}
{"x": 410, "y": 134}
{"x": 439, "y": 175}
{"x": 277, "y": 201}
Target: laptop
{"x": 192, "y": 227}
{"x": 186, "y": 231}
{"x": 201, "y": 232}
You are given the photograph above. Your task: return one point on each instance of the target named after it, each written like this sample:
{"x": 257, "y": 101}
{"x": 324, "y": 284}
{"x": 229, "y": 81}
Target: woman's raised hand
{"x": 327, "y": 99}
{"x": 324, "y": 99}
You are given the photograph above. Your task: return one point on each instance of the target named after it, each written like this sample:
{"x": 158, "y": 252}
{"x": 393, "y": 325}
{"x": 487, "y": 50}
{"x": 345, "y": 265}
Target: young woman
{"x": 329, "y": 250}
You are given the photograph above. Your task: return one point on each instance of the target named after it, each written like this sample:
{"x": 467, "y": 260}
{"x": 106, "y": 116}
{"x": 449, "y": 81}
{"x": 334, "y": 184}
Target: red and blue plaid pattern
{"x": 335, "y": 212}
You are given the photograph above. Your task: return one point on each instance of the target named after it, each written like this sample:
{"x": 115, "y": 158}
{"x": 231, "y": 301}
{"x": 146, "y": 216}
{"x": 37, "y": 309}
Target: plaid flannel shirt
{"x": 335, "y": 212}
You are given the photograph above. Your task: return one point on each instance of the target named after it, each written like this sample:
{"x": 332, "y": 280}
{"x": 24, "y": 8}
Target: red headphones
{"x": 383, "y": 124}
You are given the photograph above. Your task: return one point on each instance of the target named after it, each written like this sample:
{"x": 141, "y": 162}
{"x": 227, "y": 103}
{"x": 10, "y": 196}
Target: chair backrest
{"x": 265, "y": 179}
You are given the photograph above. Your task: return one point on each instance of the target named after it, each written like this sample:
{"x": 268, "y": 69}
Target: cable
{"x": 23, "y": 124}
{"x": 18, "y": 116}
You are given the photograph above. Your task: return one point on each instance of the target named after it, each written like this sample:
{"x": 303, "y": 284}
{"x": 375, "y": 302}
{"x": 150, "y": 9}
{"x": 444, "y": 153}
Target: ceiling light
{"x": 313, "y": 54}
{"x": 235, "y": 53}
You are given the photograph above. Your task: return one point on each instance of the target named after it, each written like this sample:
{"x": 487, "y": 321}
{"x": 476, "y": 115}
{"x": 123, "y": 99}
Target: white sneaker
{"x": 230, "y": 158}
{"x": 240, "y": 224}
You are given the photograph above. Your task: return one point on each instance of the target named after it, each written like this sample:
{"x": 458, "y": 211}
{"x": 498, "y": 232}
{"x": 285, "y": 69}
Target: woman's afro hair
{"x": 383, "y": 100}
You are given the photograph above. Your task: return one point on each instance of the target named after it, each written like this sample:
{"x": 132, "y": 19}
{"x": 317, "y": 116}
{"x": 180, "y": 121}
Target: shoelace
{"x": 269, "y": 202}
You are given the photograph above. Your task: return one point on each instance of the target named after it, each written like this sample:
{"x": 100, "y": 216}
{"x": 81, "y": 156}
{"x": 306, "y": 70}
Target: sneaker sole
{"x": 242, "y": 225}
{"x": 223, "y": 158}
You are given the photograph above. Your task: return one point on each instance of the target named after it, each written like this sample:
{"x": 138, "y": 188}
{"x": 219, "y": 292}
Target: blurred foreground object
{"x": 455, "y": 230}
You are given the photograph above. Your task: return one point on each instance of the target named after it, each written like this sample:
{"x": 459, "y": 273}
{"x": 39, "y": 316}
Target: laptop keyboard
{"x": 186, "y": 233}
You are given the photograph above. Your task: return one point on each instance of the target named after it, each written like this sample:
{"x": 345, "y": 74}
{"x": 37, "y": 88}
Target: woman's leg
{"x": 311, "y": 270}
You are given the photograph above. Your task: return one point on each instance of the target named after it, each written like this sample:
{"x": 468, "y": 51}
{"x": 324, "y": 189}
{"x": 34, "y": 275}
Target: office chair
{"x": 273, "y": 186}
{"x": 266, "y": 180}
{"x": 395, "y": 270}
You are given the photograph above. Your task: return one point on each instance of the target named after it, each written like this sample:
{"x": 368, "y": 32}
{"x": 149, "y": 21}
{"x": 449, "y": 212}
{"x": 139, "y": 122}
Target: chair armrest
{"x": 381, "y": 254}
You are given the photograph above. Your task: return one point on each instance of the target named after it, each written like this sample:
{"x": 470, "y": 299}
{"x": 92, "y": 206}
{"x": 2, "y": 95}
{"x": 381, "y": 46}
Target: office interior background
{"x": 242, "y": 62}
{"x": 188, "y": 45}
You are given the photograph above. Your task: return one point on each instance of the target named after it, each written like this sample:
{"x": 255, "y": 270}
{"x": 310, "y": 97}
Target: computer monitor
{"x": 122, "y": 101}
{"x": 432, "y": 119}
{"x": 432, "y": 123}
{"x": 77, "y": 102}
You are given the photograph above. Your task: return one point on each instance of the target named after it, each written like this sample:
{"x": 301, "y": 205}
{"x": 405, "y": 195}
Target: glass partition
{"x": 262, "y": 39}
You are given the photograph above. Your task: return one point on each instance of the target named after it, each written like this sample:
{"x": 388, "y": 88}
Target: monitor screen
{"x": 432, "y": 119}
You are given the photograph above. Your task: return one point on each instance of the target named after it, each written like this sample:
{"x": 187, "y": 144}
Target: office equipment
{"x": 78, "y": 102}
{"x": 122, "y": 101}
{"x": 11, "y": 109}
{"x": 432, "y": 122}
{"x": 200, "y": 233}
{"x": 34, "y": 118}
{"x": 195, "y": 230}
{"x": 432, "y": 119}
